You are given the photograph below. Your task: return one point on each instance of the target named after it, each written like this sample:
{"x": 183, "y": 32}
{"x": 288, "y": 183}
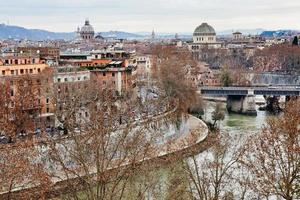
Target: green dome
{"x": 204, "y": 29}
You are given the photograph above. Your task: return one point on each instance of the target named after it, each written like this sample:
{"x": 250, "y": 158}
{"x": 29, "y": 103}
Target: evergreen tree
{"x": 295, "y": 41}
{"x": 226, "y": 79}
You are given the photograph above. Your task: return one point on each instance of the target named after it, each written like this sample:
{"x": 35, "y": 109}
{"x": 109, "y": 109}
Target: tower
{"x": 153, "y": 35}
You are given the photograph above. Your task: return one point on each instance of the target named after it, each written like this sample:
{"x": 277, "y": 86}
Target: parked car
{"x": 5, "y": 139}
{"x": 37, "y": 131}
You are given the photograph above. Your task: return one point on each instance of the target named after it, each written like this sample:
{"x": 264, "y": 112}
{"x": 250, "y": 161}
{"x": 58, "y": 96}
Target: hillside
{"x": 17, "y": 32}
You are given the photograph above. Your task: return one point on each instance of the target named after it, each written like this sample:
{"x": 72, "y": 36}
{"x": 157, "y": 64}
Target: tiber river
{"x": 241, "y": 126}
{"x": 235, "y": 123}
{"x": 157, "y": 180}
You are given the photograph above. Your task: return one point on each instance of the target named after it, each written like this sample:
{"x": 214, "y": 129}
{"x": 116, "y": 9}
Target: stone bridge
{"x": 242, "y": 99}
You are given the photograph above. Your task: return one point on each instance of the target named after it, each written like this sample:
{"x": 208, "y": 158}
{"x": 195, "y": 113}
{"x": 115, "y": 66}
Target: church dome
{"x": 204, "y": 29}
{"x": 87, "y": 28}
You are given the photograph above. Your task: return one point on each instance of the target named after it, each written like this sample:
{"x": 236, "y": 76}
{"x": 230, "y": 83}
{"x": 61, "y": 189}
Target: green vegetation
{"x": 217, "y": 115}
{"x": 226, "y": 79}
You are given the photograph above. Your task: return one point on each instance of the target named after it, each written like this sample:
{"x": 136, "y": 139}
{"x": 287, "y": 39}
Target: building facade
{"x": 204, "y": 37}
{"x": 49, "y": 55}
{"x": 70, "y": 83}
{"x": 30, "y": 91}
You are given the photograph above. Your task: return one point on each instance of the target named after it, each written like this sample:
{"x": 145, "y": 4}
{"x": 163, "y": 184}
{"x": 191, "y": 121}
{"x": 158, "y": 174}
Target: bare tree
{"x": 284, "y": 58}
{"x": 273, "y": 157}
{"x": 170, "y": 67}
{"x": 100, "y": 153}
{"x": 21, "y": 108}
{"x": 211, "y": 173}
{"x": 20, "y": 171}
{"x": 178, "y": 185}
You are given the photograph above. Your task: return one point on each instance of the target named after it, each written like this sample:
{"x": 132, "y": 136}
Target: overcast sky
{"x": 144, "y": 15}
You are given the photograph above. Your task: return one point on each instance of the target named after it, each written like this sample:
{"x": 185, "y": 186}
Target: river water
{"x": 241, "y": 126}
{"x": 235, "y": 123}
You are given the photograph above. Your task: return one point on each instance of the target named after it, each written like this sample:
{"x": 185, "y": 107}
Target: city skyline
{"x": 162, "y": 15}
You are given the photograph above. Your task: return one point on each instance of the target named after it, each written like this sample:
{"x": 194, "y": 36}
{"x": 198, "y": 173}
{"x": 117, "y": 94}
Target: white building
{"x": 71, "y": 77}
{"x": 68, "y": 80}
{"x": 86, "y": 32}
{"x": 204, "y": 37}
{"x": 237, "y": 36}
{"x": 145, "y": 62}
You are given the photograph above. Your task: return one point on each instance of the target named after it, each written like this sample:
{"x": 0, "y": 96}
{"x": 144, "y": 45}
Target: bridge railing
{"x": 280, "y": 91}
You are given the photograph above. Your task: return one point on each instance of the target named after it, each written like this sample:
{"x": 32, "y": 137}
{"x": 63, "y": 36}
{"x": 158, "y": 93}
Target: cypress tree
{"x": 295, "y": 41}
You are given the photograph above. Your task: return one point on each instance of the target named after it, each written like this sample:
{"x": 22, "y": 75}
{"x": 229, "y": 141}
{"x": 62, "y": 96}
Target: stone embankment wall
{"x": 274, "y": 79}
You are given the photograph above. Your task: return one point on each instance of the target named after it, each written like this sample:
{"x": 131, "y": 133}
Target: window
{"x": 48, "y": 110}
{"x": 30, "y": 71}
{"x": 104, "y": 74}
{"x": 66, "y": 79}
{"x": 12, "y": 104}
{"x": 12, "y": 72}
{"x": 84, "y": 78}
{"x": 113, "y": 74}
{"x": 78, "y": 78}
{"x": 11, "y": 92}
{"x": 58, "y": 80}
{"x": 21, "y": 71}
{"x": 3, "y": 72}
{"x": 86, "y": 114}
{"x": 47, "y": 100}
{"x": 39, "y": 70}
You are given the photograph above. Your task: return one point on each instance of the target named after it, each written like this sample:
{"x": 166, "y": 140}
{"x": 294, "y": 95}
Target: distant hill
{"x": 279, "y": 33}
{"x": 17, "y": 32}
{"x": 257, "y": 31}
{"x": 121, "y": 35}
{"x": 189, "y": 35}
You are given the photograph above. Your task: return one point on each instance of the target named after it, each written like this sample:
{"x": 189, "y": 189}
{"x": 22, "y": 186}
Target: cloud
{"x": 163, "y": 15}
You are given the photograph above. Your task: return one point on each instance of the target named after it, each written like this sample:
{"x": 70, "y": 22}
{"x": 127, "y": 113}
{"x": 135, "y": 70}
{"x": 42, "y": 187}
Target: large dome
{"x": 87, "y": 28}
{"x": 204, "y": 29}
